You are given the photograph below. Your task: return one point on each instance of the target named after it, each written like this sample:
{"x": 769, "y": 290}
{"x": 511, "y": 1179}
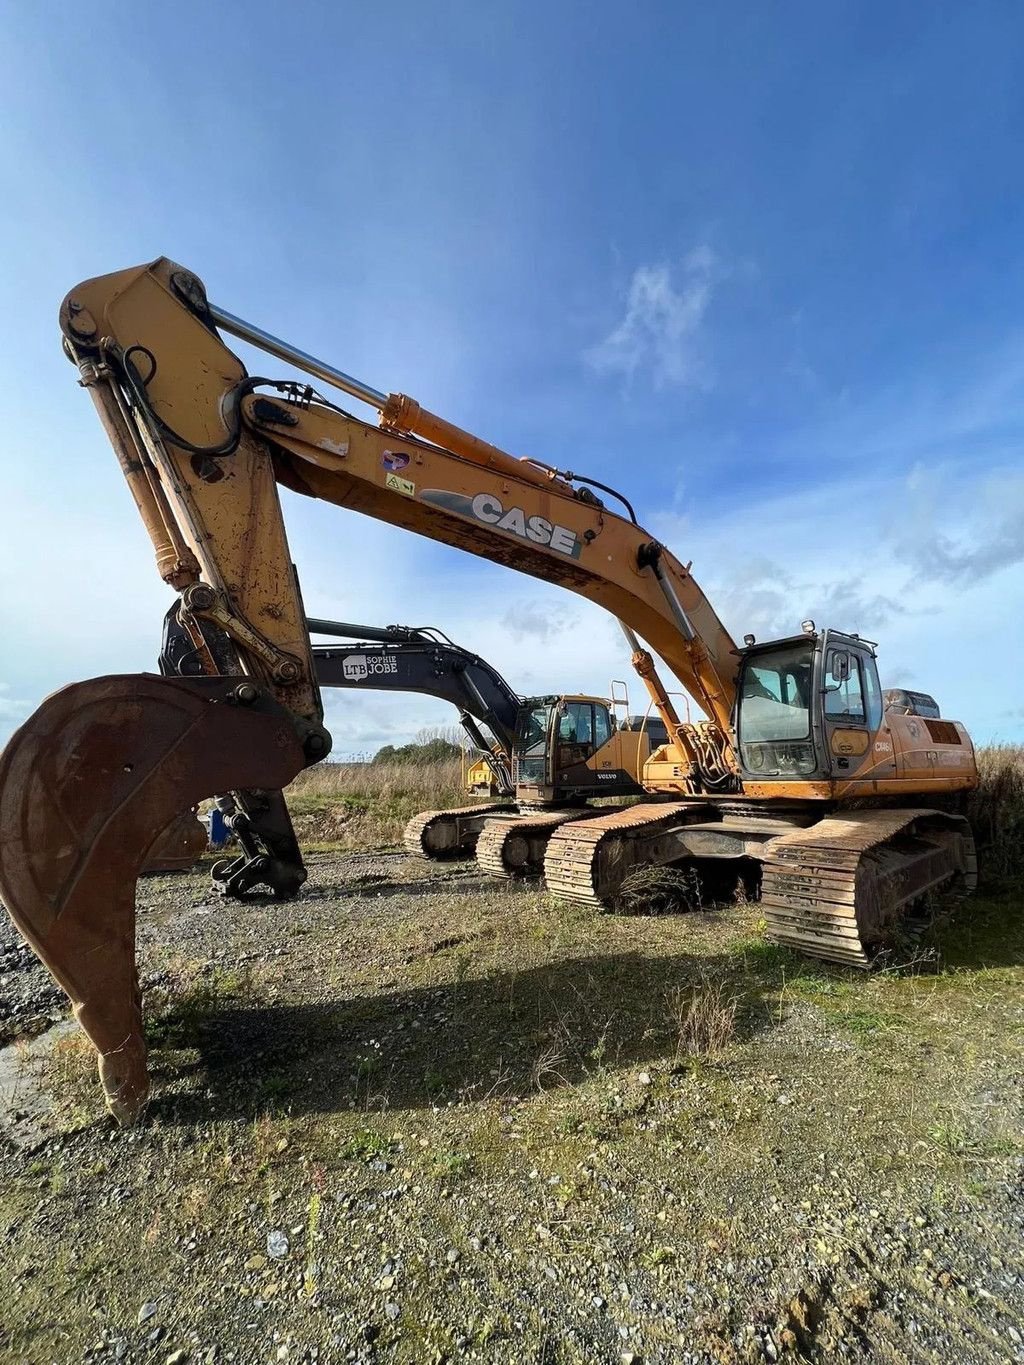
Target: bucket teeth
{"x": 87, "y": 785}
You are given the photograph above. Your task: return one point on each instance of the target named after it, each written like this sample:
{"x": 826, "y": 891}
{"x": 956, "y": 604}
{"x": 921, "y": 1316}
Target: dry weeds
{"x": 366, "y": 805}
{"x": 996, "y": 811}
{"x": 703, "y": 1018}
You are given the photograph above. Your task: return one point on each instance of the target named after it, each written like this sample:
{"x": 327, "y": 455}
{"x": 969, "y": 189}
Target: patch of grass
{"x": 813, "y": 985}
{"x": 276, "y": 1085}
{"x": 366, "y": 1144}
{"x": 179, "y": 1016}
{"x": 703, "y": 1018}
{"x": 72, "y": 1062}
{"x": 952, "y": 1136}
{"x": 865, "y": 1023}
{"x": 451, "y": 1165}
{"x": 764, "y": 957}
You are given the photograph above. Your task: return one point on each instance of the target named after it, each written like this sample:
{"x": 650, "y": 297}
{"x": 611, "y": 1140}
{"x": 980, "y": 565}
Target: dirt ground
{"x": 416, "y": 1116}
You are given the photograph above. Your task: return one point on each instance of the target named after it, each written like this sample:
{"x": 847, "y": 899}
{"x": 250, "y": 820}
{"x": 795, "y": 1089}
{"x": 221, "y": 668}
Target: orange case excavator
{"x": 847, "y": 807}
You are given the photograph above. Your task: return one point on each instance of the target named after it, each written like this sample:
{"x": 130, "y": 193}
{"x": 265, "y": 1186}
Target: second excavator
{"x": 568, "y": 748}
{"x": 579, "y": 747}
{"x": 848, "y": 809}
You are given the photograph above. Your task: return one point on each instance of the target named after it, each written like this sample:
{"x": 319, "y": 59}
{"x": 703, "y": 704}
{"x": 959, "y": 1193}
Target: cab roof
{"x": 842, "y": 636}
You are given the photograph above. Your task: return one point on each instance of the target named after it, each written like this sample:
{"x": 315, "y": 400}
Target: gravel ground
{"x": 415, "y": 1117}
{"x": 29, "y": 1000}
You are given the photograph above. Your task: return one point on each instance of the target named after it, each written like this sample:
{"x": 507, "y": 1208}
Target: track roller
{"x": 449, "y": 833}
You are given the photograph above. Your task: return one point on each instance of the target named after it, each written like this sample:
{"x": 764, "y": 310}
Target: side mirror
{"x": 840, "y": 668}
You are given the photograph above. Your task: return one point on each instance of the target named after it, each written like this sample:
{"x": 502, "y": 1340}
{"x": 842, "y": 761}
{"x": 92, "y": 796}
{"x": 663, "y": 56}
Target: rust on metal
{"x": 434, "y": 833}
{"x": 180, "y": 847}
{"x": 840, "y": 889}
{"x": 87, "y": 785}
{"x": 586, "y": 861}
{"x": 507, "y": 846}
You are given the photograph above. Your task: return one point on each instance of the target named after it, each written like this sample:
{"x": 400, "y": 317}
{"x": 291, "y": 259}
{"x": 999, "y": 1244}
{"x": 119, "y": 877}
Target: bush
{"x": 996, "y": 811}
{"x": 432, "y": 751}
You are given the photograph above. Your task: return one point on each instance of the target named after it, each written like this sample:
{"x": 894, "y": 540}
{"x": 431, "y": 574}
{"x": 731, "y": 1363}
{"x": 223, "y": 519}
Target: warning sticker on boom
{"x": 400, "y": 485}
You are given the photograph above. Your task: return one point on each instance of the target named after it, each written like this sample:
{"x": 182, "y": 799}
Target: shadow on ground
{"x": 983, "y": 931}
{"x": 511, "y": 1033}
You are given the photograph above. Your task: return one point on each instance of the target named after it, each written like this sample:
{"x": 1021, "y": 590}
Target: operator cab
{"x": 570, "y": 748}
{"x": 808, "y": 707}
{"x": 556, "y": 733}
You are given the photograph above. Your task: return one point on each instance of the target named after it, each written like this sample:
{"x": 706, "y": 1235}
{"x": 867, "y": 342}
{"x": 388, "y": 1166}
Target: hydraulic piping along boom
{"x": 398, "y": 412}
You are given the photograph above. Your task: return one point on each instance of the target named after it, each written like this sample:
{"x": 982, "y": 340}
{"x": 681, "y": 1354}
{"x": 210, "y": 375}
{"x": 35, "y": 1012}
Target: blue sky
{"x": 759, "y": 266}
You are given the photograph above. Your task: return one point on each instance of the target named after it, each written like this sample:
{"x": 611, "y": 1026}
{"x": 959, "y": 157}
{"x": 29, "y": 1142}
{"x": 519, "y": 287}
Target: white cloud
{"x": 969, "y": 543}
{"x": 532, "y": 620}
{"x": 665, "y": 308}
{"x": 828, "y": 554}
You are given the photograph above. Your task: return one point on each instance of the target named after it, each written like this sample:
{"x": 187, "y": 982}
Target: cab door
{"x": 574, "y": 736}
{"x": 588, "y": 752}
{"x": 857, "y": 745}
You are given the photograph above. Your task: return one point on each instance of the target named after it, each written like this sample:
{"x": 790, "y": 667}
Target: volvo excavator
{"x": 585, "y": 746}
{"x": 849, "y": 809}
{"x": 593, "y": 748}
{"x": 565, "y": 751}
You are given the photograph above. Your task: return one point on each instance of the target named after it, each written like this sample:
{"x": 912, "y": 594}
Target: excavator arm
{"x": 102, "y": 767}
{"x": 202, "y": 445}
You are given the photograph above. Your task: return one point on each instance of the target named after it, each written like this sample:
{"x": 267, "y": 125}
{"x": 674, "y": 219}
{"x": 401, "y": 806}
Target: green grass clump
{"x": 365, "y": 1145}
{"x": 180, "y": 1015}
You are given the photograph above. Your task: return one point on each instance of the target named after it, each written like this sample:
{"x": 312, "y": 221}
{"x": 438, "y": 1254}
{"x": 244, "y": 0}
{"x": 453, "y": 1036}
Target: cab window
{"x": 872, "y": 694}
{"x": 533, "y": 728}
{"x": 602, "y": 726}
{"x": 575, "y": 724}
{"x": 844, "y": 696}
{"x": 774, "y": 695}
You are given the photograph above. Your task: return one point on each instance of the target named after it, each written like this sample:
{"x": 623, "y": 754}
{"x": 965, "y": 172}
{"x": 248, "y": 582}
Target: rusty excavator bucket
{"x": 87, "y": 785}
{"x": 180, "y": 847}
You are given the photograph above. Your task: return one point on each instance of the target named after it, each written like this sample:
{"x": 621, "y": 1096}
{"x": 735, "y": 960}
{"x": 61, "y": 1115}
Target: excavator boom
{"x": 404, "y": 659}
{"x": 184, "y": 415}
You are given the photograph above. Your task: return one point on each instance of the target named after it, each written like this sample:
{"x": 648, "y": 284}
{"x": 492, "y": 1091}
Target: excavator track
{"x": 503, "y": 849}
{"x": 840, "y": 890}
{"x": 421, "y": 833}
{"x": 587, "y": 860}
